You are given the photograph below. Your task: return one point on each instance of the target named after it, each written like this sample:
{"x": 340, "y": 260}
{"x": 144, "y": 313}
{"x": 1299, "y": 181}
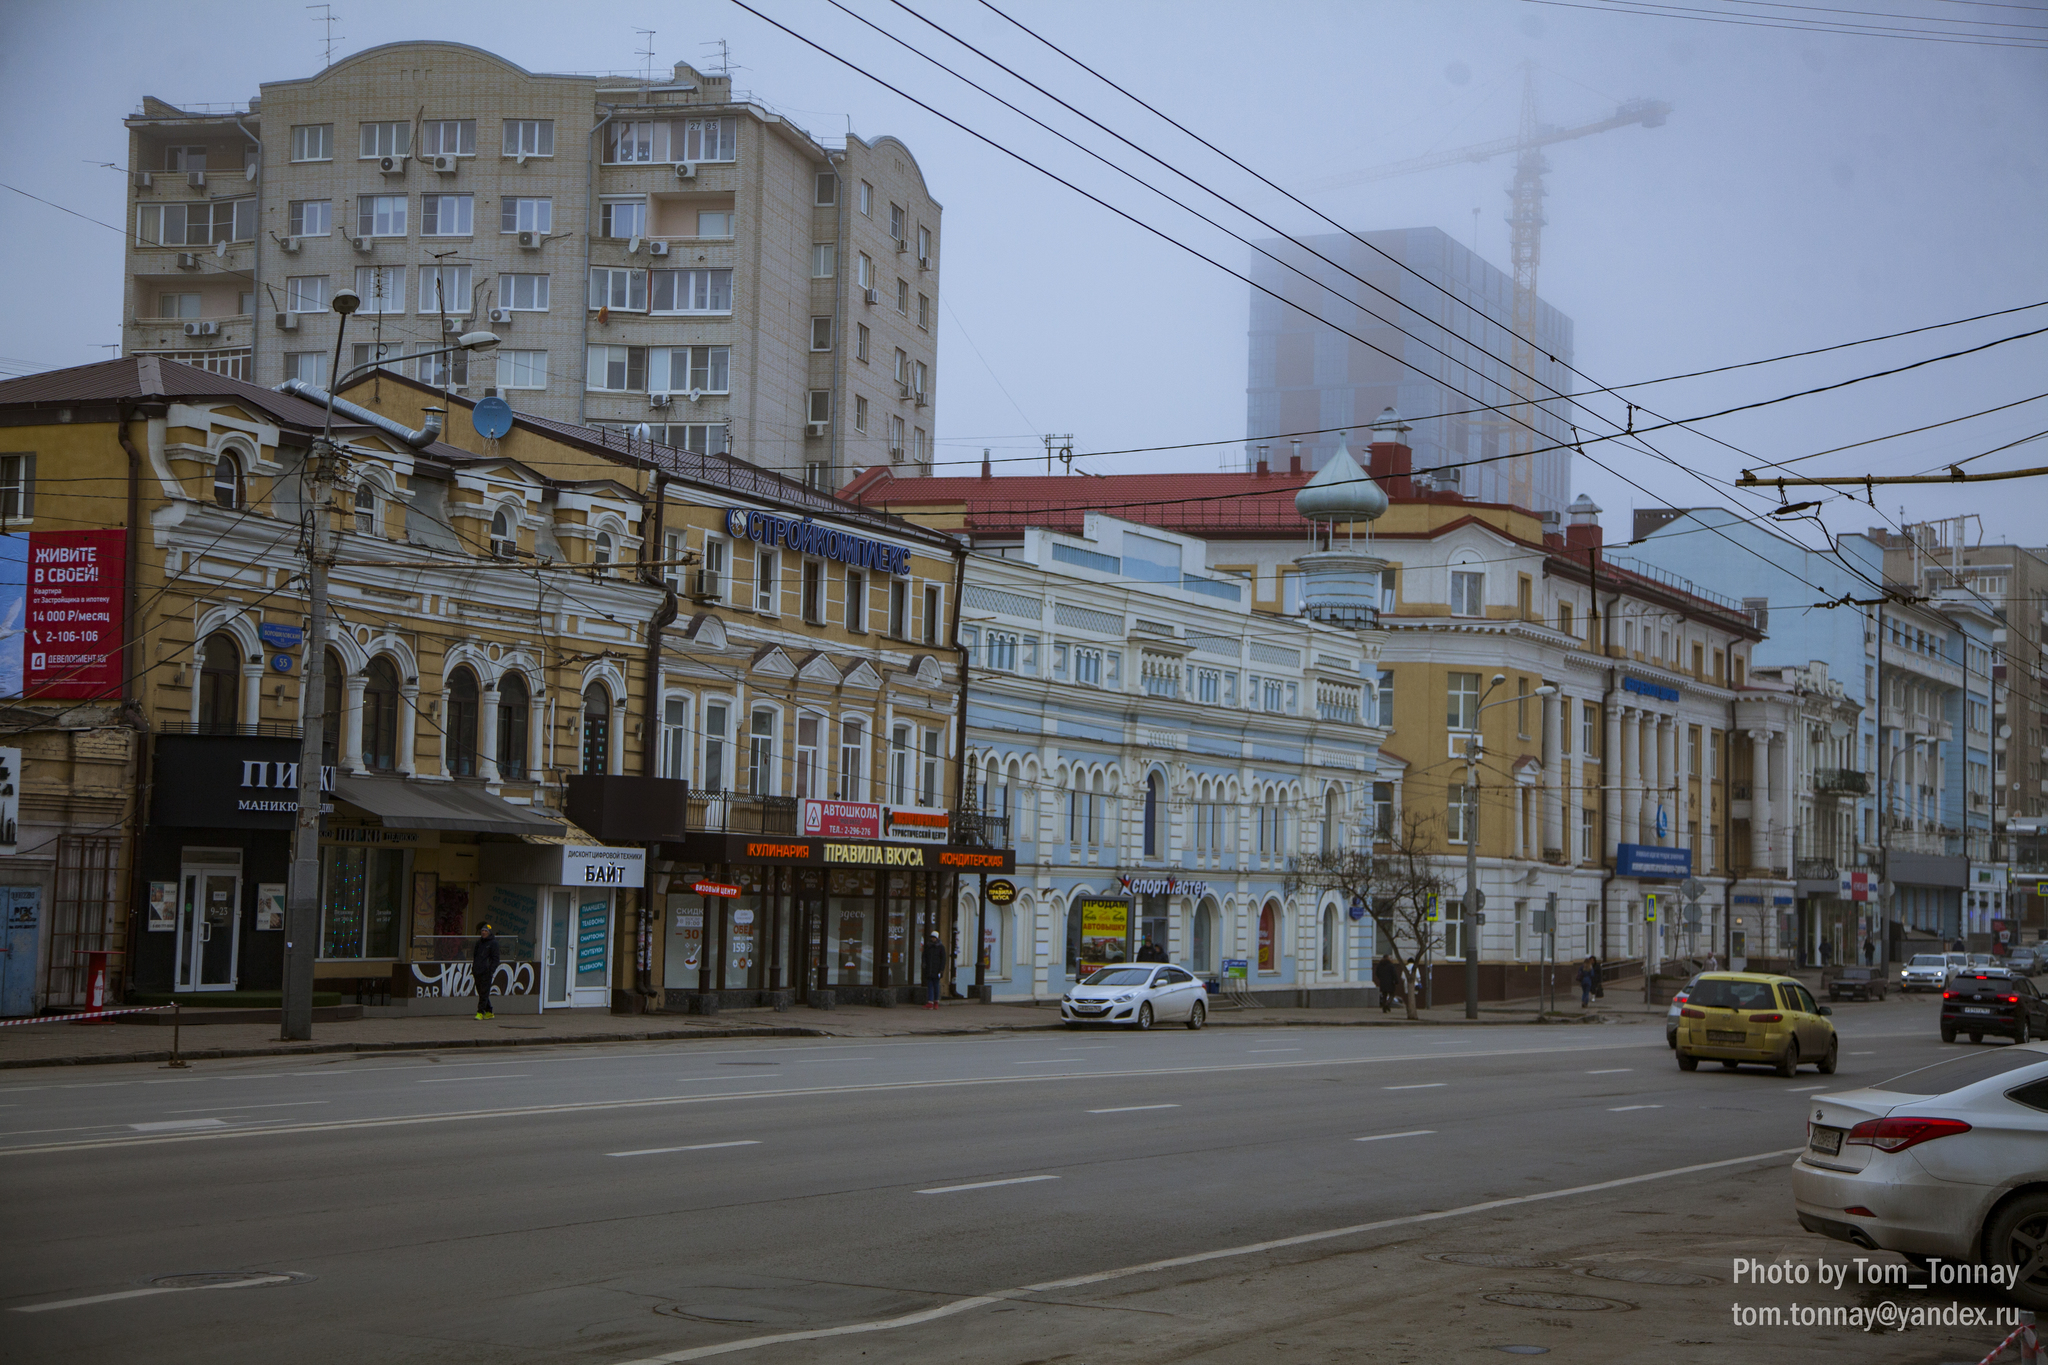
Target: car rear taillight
{"x": 1896, "y": 1135}
{"x": 1948, "y": 995}
{"x": 1692, "y": 1014}
{"x": 2010, "y": 999}
{"x": 1766, "y": 1018}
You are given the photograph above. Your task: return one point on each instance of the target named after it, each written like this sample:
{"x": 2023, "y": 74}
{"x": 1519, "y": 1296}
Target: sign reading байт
{"x": 809, "y": 538}
{"x": 599, "y": 865}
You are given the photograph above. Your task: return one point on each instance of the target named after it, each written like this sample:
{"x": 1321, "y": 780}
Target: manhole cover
{"x": 1631, "y": 1274}
{"x": 229, "y": 1279}
{"x": 1555, "y": 1303}
{"x": 1499, "y": 1260}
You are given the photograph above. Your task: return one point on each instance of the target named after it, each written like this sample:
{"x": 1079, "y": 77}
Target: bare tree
{"x": 1400, "y": 882}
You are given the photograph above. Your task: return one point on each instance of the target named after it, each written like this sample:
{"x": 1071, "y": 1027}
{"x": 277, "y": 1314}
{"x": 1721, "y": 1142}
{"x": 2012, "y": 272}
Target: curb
{"x": 447, "y": 1044}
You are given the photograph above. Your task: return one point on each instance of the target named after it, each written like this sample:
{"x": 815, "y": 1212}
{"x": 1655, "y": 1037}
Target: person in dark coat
{"x": 1151, "y": 952}
{"x": 1599, "y": 978}
{"x": 1589, "y": 977}
{"x": 483, "y": 963}
{"x": 1386, "y": 978}
{"x": 933, "y": 961}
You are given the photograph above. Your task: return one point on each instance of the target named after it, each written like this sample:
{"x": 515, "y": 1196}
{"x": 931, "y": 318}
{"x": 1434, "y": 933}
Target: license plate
{"x": 1722, "y": 1035}
{"x": 1976, "y": 1009}
{"x": 1827, "y": 1141}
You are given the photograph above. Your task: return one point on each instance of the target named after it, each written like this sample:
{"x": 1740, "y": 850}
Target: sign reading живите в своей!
{"x": 60, "y": 613}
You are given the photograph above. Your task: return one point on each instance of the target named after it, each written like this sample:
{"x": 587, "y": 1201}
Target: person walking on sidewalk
{"x": 934, "y": 965}
{"x": 1589, "y": 978}
{"x": 1386, "y": 978}
{"x": 483, "y": 962}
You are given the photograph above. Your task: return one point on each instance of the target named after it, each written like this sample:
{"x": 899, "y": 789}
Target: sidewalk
{"x": 37, "y": 1045}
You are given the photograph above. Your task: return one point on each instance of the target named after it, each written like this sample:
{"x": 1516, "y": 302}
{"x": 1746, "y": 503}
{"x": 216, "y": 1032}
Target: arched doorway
{"x": 1269, "y": 937}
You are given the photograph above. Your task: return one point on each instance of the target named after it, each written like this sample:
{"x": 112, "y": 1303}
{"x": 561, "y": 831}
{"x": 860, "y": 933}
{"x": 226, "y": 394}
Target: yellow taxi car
{"x": 1737, "y": 1017}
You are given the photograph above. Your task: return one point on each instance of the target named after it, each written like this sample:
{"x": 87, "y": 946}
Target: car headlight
{"x": 1127, "y": 995}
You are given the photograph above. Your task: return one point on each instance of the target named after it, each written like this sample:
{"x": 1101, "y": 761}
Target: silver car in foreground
{"x": 1948, "y": 1163}
{"x": 1137, "y": 995}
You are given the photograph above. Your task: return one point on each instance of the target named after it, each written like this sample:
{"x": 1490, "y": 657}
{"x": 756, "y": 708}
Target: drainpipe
{"x": 589, "y": 217}
{"x": 643, "y": 957}
{"x": 1608, "y": 761}
{"x": 1728, "y": 841}
{"x": 131, "y": 705}
{"x": 256, "y": 257}
{"x": 960, "y": 770}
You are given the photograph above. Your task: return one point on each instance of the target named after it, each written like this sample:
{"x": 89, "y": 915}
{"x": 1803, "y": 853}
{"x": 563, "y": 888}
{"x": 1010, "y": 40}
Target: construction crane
{"x": 1525, "y": 219}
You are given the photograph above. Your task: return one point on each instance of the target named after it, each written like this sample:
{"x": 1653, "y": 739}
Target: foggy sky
{"x": 1808, "y": 189}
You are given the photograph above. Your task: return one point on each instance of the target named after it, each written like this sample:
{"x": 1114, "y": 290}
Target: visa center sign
{"x": 809, "y": 538}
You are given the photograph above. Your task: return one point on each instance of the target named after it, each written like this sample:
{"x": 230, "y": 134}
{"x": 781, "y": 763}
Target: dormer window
{"x": 503, "y": 546}
{"x": 228, "y": 488}
{"x": 601, "y": 548}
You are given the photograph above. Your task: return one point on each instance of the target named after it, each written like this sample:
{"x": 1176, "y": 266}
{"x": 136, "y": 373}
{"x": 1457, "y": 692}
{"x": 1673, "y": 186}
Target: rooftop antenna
{"x": 724, "y": 58}
{"x": 326, "y": 16}
{"x": 645, "y": 54}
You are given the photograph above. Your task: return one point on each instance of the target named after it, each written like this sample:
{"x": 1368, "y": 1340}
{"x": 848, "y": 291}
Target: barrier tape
{"x": 2030, "y": 1346}
{"x": 74, "y": 1018}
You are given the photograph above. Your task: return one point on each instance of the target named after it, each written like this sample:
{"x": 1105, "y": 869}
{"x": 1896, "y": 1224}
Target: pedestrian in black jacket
{"x": 483, "y": 962}
{"x": 1386, "y": 976}
{"x": 934, "y": 964}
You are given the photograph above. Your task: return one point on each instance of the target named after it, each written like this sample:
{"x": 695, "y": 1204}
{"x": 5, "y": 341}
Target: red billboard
{"x": 842, "y": 820}
{"x": 72, "y": 625}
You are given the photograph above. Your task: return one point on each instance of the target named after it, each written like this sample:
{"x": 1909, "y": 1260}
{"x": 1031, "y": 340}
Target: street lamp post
{"x": 302, "y": 899}
{"x": 1471, "y": 917}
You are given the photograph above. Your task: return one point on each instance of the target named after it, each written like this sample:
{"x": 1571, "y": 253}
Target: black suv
{"x": 1992, "y": 1000}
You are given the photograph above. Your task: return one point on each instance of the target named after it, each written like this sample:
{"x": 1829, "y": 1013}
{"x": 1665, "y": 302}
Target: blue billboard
{"x": 1650, "y": 860}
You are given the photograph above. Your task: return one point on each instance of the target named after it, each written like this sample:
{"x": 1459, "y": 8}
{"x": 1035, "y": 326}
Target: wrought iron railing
{"x": 1815, "y": 869}
{"x": 1841, "y": 781}
{"x": 979, "y": 830}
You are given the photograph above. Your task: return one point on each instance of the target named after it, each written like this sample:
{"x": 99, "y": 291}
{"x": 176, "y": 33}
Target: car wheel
{"x": 1826, "y": 1065}
{"x": 2020, "y": 1034}
{"x": 1198, "y": 1016}
{"x": 2017, "y": 1235}
{"x": 1788, "y": 1061}
{"x": 1727, "y": 1066}
{"x": 1144, "y": 1019}
{"x": 1688, "y": 1062}
{"x": 1976, "y": 1037}
{"x": 1948, "y": 1035}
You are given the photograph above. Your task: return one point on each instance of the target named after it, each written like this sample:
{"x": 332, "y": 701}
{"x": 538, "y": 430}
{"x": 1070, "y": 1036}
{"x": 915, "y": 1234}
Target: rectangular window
{"x": 860, "y": 342}
{"x": 895, "y": 437}
{"x": 619, "y": 289}
{"x": 219, "y": 220}
{"x": 17, "y": 487}
{"x": 707, "y": 139}
{"x": 313, "y": 142}
{"x": 1468, "y": 594}
{"x": 444, "y": 289}
{"x": 715, "y": 224}
{"x": 896, "y": 221}
{"x": 529, "y": 137}
{"x": 899, "y": 765}
{"x": 807, "y": 775}
{"x": 765, "y": 599}
{"x": 1589, "y": 730}
{"x": 867, "y": 199}
{"x": 691, "y": 369}
{"x": 523, "y": 293}
{"x": 1462, "y": 713}
{"x": 381, "y": 288}
{"x": 1386, "y": 698}
{"x": 622, "y": 218}
{"x": 382, "y": 353}
{"x": 924, "y": 312}
{"x": 813, "y": 592}
{"x": 526, "y": 215}
{"x": 385, "y": 139}
{"x": 310, "y": 366}
{"x": 617, "y": 369}
{"x": 902, "y": 375}
{"x": 305, "y": 294}
{"x": 818, "y": 405}
{"x": 928, "y": 771}
{"x": 856, "y": 601}
{"x": 312, "y": 217}
{"x": 692, "y": 291}
{"x": 860, "y": 412}
{"x": 821, "y": 334}
{"x": 448, "y": 137}
{"x": 451, "y": 368}
{"x": 447, "y": 215}
{"x": 714, "y": 746}
{"x": 1586, "y": 816}
{"x": 853, "y": 750}
{"x": 1564, "y": 618}
{"x": 924, "y": 246}
{"x": 824, "y": 260}
{"x": 863, "y": 271}
{"x": 380, "y": 215}
{"x": 933, "y": 613}
{"x": 1383, "y": 811}
{"x": 899, "y": 609}
{"x": 673, "y": 760}
{"x": 903, "y": 297}
{"x": 761, "y": 763}
{"x": 825, "y": 189}
{"x": 627, "y": 142}
{"x": 705, "y": 438}
{"x": 184, "y": 158}
{"x": 522, "y": 369}
{"x": 1456, "y": 811}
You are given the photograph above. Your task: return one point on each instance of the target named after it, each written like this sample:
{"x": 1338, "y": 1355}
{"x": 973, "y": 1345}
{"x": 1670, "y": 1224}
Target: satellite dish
{"x": 642, "y": 432}
{"x": 1839, "y": 729}
{"x": 492, "y": 418}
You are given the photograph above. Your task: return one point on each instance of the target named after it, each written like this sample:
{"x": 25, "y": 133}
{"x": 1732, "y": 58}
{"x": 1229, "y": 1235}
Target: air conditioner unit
{"x": 287, "y": 322}
{"x": 196, "y": 179}
{"x": 392, "y": 165}
{"x": 896, "y": 454}
{"x": 452, "y": 326}
{"x": 869, "y": 297}
{"x": 686, "y": 170}
{"x": 659, "y": 400}
{"x": 202, "y": 329}
{"x": 923, "y": 399}
{"x": 924, "y": 263}
{"x": 657, "y": 248}
{"x": 145, "y": 179}
{"x": 288, "y": 245}
{"x": 188, "y": 260}
{"x": 446, "y": 165}
{"x": 530, "y": 240}
{"x": 902, "y": 245}
{"x": 361, "y": 243}
{"x": 632, "y": 246}
{"x": 502, "y": 316}
{"x": 704, "y": 585}
{"x": 815, "y": 428}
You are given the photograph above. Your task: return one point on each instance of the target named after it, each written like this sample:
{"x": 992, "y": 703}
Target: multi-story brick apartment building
{"x": 655, "y": 252}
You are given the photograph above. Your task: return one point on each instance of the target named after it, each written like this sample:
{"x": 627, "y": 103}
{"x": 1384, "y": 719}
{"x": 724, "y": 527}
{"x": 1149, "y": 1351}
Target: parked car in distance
{"x": 1136, "y": 996}
{"x": 1992, "y": 1001}
{"x": 1925, "y": 972}
{"x": 1982, "y": 960}
{"x": 2024, "y": 961}
{"x": 1857, "y": 983}
{"x": 1736, "y": 1017}
{"x": 1948, "y": 1161}
{"x": 1671, "y": 1015}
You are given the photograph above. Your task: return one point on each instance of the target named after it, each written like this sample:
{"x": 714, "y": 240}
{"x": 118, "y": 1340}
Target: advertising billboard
{"x": 61, "y": 613}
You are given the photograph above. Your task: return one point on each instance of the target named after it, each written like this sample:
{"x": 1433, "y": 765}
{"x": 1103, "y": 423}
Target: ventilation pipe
{"x": 429, "y": 431}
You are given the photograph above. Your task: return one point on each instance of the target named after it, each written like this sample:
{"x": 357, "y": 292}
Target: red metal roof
{"x": 1196, "y": 504}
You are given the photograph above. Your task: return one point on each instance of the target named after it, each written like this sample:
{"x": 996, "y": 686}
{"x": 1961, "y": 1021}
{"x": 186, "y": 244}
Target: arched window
{"x": 228, "y": 487}
{"x": 503, "y": 541}
{"x": 220, "y": 683}
{"x": 1269, "y": 936}
{"x": 1329, "y": 938}
{"x": 330, "y": 707}
{"x": 1204, "y": 937}
{"x": 366, "y": 508}
{"x": 1331, "y": 843}
{"x": 601, "y": 548}
{"x": 380, "y": 716}
{"x": 514, "y": 708}
{"x": 463, "y": 696}
{"x": 597, "y": 728}
{"x": 1152, "y": 815}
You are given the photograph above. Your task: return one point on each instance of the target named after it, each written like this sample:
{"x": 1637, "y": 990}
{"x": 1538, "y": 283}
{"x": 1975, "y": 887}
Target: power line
{"x": 1702, "y": 17}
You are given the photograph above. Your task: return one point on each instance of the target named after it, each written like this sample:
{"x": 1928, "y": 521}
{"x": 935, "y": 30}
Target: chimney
{"x": 1263, "y": 468}
{"x": 1294, "y": 460}
{"x": 984, "y": 463}
{"x": 1584, "y": 531}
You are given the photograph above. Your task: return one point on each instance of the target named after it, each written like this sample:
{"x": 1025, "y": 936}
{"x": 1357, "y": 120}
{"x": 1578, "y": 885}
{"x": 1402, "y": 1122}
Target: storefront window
{"x": 513, "y": 710}
{"x": 462, "y": 703}
{"x": 362, "y": 900}
{"x": 1268, "y": 938}
{"x": 903, "y": 886}
{"x": 744, "y": 930}
{"x": 849, "y": 950}
{"x": 684, "y": 960}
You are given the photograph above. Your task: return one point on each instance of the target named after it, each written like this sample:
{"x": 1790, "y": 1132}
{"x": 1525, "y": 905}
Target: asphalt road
{"x": 679, "y": 1200}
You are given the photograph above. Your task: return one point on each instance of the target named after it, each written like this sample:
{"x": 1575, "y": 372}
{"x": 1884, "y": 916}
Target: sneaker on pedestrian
{"x": 490, "y": 1014}
{"x": 479, "y": 1014}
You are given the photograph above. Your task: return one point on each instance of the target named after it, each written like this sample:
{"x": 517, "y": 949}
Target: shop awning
{"x": 401, "y": 804}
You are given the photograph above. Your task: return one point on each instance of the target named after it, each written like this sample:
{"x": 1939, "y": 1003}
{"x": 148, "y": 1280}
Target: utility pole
{"x": 302, "y": 899}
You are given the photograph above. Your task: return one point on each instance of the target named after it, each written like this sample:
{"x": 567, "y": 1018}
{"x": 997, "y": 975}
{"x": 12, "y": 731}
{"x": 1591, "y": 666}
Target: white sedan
{"x": 1137, "y": 996}
{"x": 1947, "y": 1164}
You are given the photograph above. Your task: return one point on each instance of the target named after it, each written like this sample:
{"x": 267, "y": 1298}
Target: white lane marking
{"x": 1804, "y": 1088}
{"x": 1863, "y": 1054}
{"x": 238, "y": 1108}
{"x": 251, "y": 1283}
{"x": 76, "y": 1128}
{"x": 1382, "y": 1137}
{"x": 1092, "y": 1047}
{"x": 1624, "y": 1108}
{"x": 946, "y": 1310}
{"x": 988, "y": 1184}
{"x": 1611, "y": 1071}
{"x": 665, "y": 1101}
{"x": 1133, "y": 1108}
{"x": 176, "y": 1125}
{"x": 1421, "y": 1085}
{"x": 693, "y": 1147}
{"x": 506, "y": 1076}
{"x": 1274, "y": 1049}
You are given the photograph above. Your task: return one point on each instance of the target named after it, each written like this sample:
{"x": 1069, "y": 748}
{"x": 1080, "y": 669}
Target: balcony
{"x": 1841, "y": 782}
{"x": 1816, "y": 870}
{"x": 976, "y": 830}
